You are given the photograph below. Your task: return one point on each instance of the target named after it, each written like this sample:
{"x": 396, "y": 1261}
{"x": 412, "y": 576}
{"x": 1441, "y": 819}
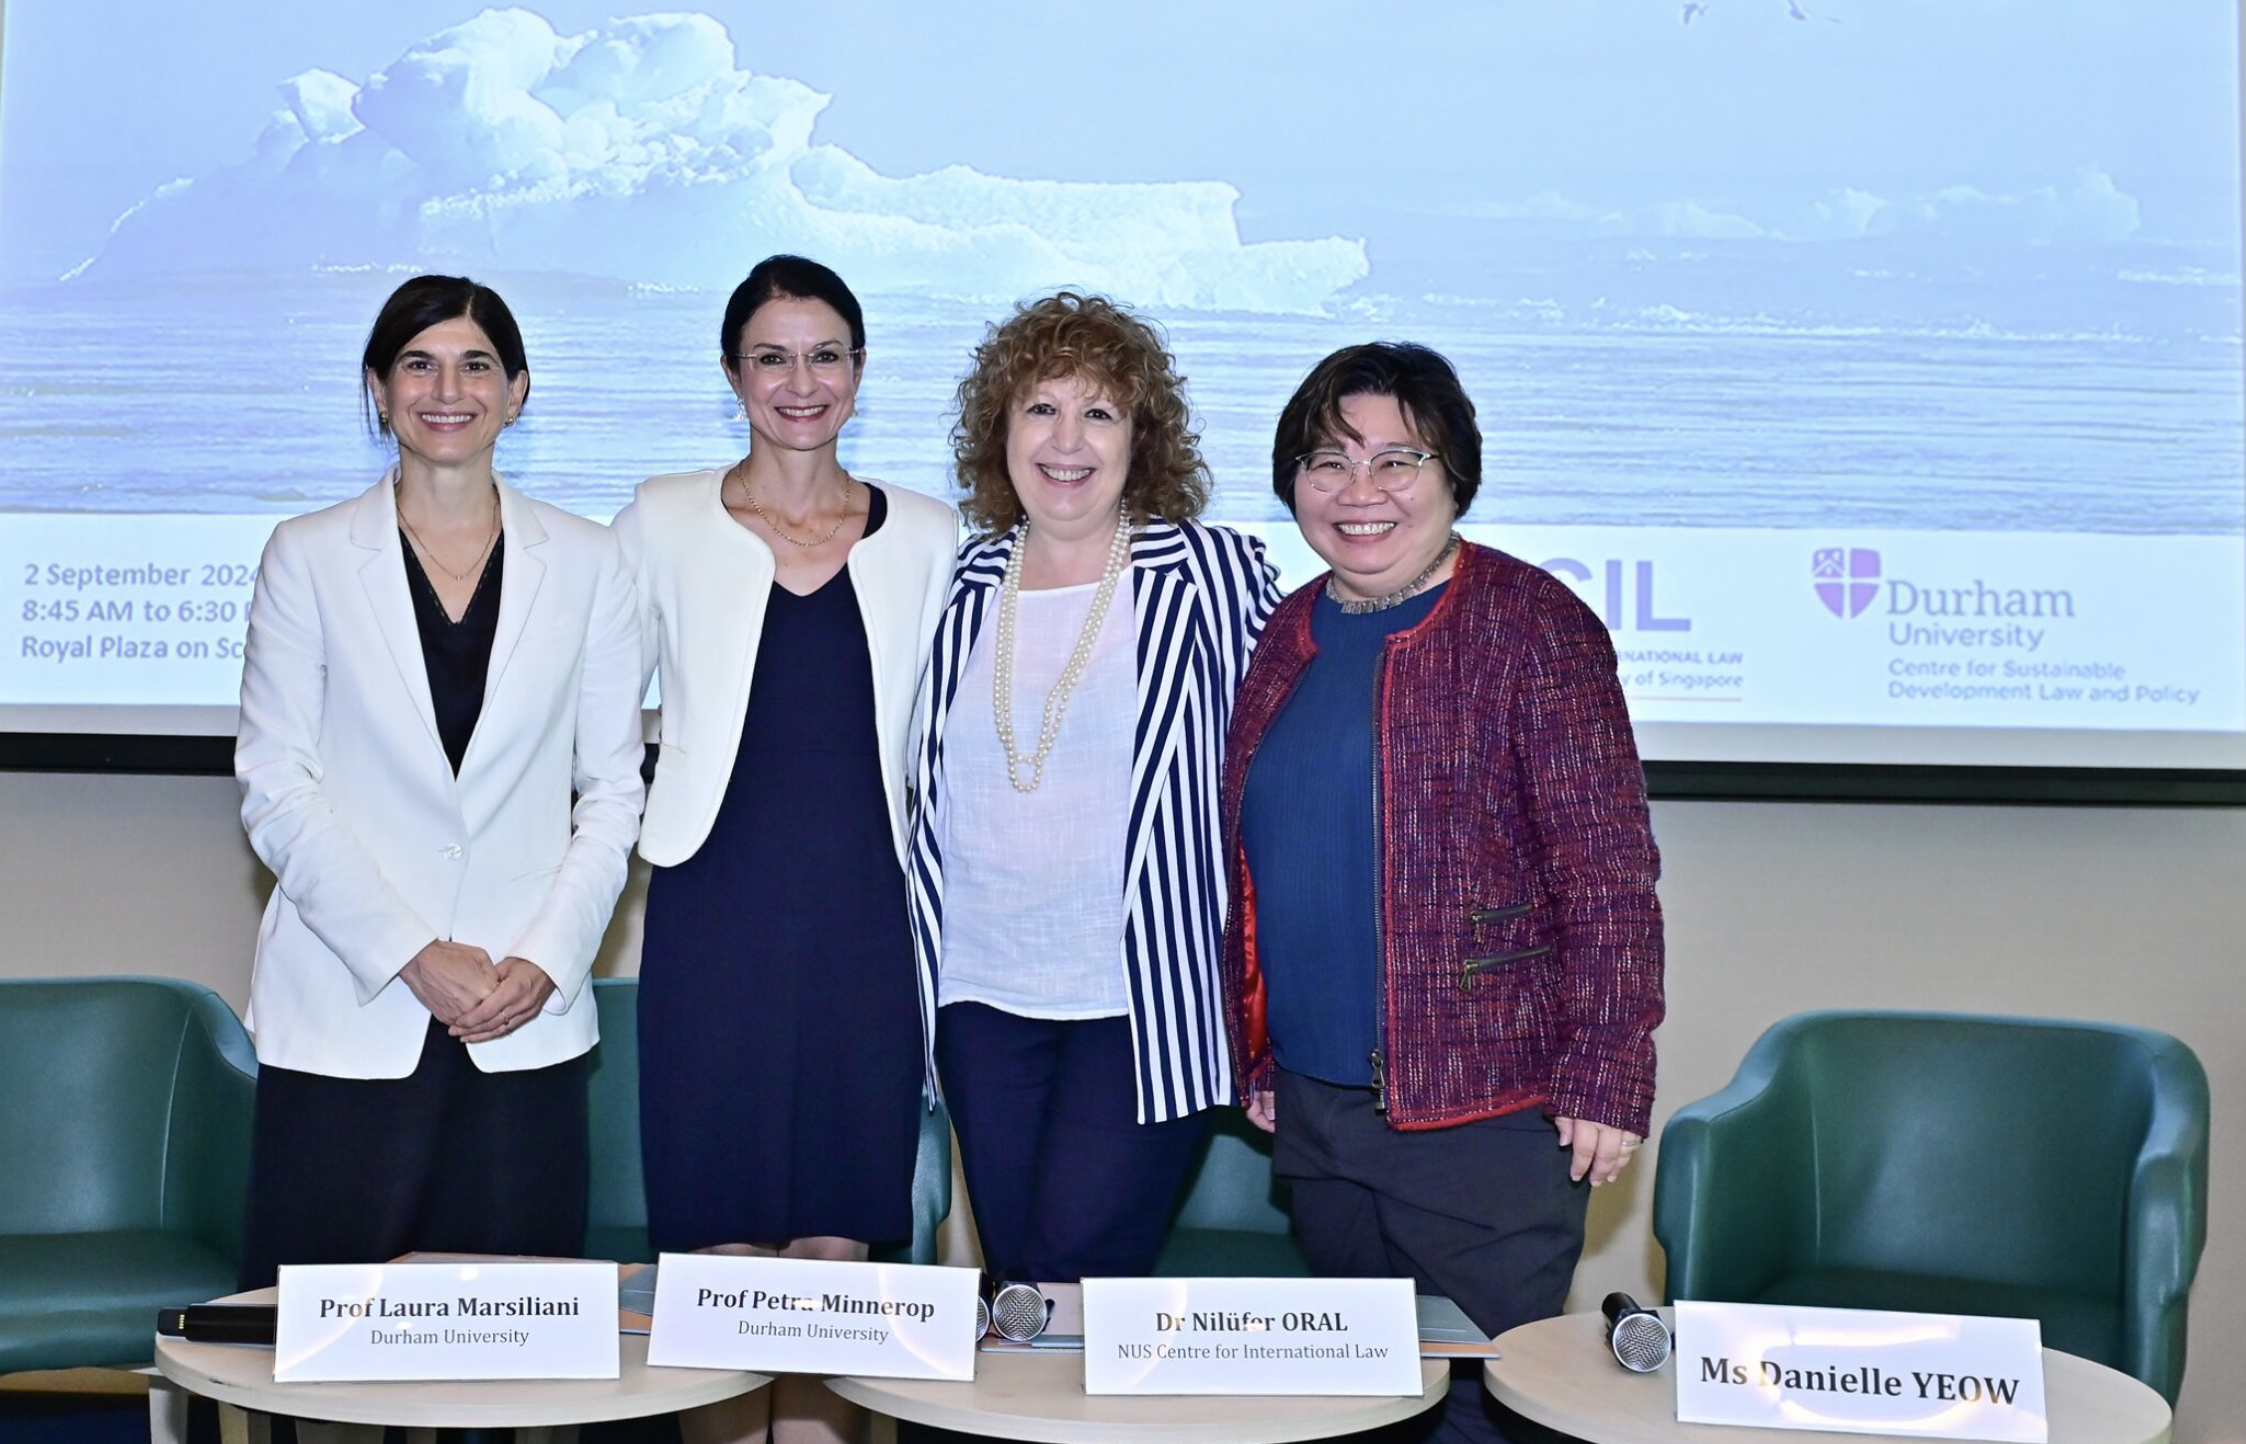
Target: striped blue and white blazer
{"x": 1200, "y": 595}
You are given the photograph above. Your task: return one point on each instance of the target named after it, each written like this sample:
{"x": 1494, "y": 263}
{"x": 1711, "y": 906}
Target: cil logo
{"x": 1846, "y": 578}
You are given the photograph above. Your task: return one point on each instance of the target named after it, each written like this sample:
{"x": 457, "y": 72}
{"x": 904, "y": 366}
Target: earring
{"x": 383, "y": 417}
{"x": 510, "y": 420}
{"x": 741, "y": 412}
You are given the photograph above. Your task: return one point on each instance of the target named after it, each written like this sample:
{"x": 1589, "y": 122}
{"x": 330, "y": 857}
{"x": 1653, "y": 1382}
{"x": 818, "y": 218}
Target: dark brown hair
{"x": 1423, "y": 383}
{"x": 1094, "y": 339}
{"x": 788, "y": 278}
{"x": 427, "y": 301}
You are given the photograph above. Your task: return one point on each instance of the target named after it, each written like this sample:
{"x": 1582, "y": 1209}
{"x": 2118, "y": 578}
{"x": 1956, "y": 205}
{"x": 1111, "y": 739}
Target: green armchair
{"x": 616, "y": 1225}
{"x": 124, "y": 1159}
{"x": 1230, "y": 1223}
{"x": 2013, "y": 1167}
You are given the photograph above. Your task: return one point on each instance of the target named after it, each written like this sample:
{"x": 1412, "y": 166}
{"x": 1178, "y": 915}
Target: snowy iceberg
{"x": 642, "y": 152}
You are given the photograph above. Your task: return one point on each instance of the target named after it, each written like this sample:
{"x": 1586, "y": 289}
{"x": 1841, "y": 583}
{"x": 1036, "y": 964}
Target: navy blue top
{"x": 1306, "y": 821}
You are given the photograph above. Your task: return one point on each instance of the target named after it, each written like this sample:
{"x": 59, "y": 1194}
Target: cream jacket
{"x": 376, "y": 846}
{"x": 703, "y": 581}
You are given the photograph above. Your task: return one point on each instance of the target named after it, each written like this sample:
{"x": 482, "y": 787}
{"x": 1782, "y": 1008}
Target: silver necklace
{"x": 1079, "y": 657}
{"x": 429, "y": 554}
{"x": 1397, "y": 597}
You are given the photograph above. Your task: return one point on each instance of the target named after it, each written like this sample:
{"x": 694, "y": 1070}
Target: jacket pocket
{"x": 1468, "y": 969}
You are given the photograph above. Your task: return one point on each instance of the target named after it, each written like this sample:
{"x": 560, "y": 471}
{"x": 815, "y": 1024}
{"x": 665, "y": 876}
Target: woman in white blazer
{"x": 1067, "y": 893}
{"x": 788, "y": 609}
{"x": 433, "y": 669}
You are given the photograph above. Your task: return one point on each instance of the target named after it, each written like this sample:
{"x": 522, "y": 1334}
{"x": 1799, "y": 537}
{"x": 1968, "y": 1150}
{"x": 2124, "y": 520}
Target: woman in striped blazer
{"x": 1067, "y": 897}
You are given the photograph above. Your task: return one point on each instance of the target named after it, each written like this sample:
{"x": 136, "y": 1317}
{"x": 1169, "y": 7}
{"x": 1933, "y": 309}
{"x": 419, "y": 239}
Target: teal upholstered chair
{"x": 1231, "y": 1223}
{"x": 124, "y": 1160}
{"x": 616, "y": 1226}
{"x": 2014, "y": 1167}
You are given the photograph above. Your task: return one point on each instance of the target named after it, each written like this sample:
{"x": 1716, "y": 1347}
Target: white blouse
{"x": 1033, "y": 882}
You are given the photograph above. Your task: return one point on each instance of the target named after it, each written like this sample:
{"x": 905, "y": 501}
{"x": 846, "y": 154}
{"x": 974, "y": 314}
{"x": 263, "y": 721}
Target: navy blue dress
{"x": 780, "y": 1081}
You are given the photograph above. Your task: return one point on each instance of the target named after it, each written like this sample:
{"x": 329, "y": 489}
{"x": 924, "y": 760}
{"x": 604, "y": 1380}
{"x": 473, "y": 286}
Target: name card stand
{"x": 458, "y": 1320}
{"x": 813, "y": 1316}
{"x": 1860, "y": 1371}
{"x": 1250, "y": 1336}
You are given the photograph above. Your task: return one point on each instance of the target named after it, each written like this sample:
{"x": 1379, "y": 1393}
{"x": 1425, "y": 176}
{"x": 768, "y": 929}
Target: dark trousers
{"x": 1483, "y": 1213}
{"x": 448, "y": 1159}
{"x": 1066, "y": 1183}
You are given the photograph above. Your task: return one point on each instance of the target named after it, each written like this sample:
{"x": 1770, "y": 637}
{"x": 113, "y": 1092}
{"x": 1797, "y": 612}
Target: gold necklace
{"x": 429, "y": 554}
{"x": 781, "y": 532}
{"x": 1072, "y": 672}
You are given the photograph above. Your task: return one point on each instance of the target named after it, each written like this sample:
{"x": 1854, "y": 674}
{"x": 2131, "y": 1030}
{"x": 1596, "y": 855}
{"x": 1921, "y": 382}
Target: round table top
{"x": 242, "y": 1375}
{"x": 1039, "y": 1396}
{"x": 1559, "y": 1373}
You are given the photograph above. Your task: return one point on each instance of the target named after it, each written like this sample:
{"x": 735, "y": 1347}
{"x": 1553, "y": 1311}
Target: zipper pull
{"x": 1380, "y": 1083}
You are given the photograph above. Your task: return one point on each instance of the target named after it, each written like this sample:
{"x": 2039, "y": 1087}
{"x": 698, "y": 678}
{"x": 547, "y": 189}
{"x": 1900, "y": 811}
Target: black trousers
{"x": 1066, "y": 1182}
{"x": 1483, "y": 1213}
{"x": 447, "y": 1159}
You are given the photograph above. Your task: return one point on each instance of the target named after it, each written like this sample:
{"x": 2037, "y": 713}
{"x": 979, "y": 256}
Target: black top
{"x": 457, "y": 654}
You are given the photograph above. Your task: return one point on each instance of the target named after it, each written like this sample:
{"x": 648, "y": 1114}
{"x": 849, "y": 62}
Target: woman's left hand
{"x": 522, "y": 991}
{"x": 1601, "y": 1151}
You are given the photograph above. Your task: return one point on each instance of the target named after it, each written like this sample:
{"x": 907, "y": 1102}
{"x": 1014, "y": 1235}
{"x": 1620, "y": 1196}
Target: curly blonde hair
{"x": 1093, "y": 338}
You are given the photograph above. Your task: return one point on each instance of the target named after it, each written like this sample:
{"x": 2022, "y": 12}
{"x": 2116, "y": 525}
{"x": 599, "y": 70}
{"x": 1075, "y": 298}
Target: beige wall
{"x": 2133, "y": 915}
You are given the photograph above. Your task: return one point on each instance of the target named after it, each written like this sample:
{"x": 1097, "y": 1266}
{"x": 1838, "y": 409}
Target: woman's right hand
{"x": 1263, "y": 1109}
{"x": 450, "y": 978}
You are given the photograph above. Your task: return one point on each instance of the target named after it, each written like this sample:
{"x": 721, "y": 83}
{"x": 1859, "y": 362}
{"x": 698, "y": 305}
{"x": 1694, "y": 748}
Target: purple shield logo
{"x": 1847, "y": 578}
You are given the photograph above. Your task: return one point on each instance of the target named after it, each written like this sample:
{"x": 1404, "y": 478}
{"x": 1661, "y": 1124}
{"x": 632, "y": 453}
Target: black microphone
{"x": 1018, "y": 1311}
{"x": 1638, "y": 1337}
{"x": 219, "y": 1323}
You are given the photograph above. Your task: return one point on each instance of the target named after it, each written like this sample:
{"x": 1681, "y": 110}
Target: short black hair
{"x": 787, "y": 278}
{"x": 427, "y": 301}
{"x": 1423, "y": 383}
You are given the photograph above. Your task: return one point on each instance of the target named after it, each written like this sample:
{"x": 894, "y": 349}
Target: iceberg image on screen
{"x": 1804, "y": 336}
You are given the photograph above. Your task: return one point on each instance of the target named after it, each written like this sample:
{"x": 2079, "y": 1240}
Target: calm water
{"x": 1697, "y": 389}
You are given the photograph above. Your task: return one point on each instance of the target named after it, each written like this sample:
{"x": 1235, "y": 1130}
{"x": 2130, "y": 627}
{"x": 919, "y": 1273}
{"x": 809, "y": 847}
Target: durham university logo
{"x": 1846, "y": 578}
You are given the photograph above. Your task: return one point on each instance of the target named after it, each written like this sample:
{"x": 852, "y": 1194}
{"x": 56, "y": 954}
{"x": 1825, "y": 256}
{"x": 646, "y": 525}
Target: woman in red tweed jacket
{"x": 1444, "y": 959}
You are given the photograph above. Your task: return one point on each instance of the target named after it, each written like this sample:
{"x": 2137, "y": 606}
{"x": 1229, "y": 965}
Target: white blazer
{"x": 378, "y": 849}
{"x": 703, "y": 582}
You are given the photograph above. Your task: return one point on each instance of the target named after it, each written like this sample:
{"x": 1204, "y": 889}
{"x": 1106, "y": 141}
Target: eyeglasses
{"x": 823, "y": 360}
{"x": 1390, "y": 470}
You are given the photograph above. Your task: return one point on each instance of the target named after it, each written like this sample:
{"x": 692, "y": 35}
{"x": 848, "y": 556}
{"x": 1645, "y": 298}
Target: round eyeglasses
{"x": 1389, "y": 470}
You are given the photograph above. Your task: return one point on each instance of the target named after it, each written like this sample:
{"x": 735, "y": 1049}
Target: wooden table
{"x": 1039, "y": 1396}
{"x": 240, "y": 1378}
{"x": 1559, "y": 1373}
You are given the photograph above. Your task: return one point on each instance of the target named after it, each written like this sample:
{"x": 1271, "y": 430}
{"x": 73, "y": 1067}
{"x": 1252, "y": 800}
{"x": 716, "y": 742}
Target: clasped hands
{"x": 477, "y": 999}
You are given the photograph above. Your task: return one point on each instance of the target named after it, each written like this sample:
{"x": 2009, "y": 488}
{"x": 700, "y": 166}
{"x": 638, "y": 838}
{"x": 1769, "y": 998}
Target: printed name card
{"x": 1250, "y": 1336}
{"x": 463, "y": 1320}
{"x": 1860, "y": 1371}
{"x": 810, "y": 1316}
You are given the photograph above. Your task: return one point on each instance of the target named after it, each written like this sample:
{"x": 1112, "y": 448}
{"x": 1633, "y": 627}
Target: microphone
{"x": 1018, "y": 1311}
{"x": 982, "y": 1315}
{"x": 219, "y": 1323}
{"x": 1638, "y": 1337}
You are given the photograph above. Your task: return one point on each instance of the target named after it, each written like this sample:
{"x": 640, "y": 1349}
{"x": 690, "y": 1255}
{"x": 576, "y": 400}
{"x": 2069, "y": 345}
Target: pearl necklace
{"x": 1397, "y": 597}
{"x": 1079, "y": 657}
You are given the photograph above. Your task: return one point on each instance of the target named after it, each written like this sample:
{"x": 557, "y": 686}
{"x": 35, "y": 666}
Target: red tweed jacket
{"x": 1521, "y": 938}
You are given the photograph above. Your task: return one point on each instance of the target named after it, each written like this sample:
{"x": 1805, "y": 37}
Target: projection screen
{"x": 1872, "y": 367}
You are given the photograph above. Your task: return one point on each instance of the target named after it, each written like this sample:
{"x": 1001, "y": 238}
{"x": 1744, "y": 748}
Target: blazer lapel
{"x": 1163, "y": 603}
{"x": 374, "y": 526}
{"x": 520, "y": 536}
